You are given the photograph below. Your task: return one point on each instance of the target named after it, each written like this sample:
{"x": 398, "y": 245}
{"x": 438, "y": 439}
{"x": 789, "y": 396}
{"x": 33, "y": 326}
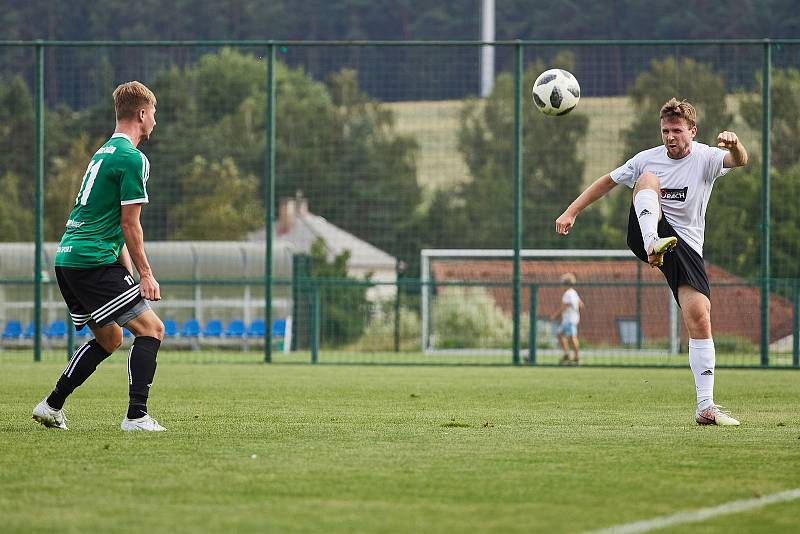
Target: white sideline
{"x": 700, "y": 515}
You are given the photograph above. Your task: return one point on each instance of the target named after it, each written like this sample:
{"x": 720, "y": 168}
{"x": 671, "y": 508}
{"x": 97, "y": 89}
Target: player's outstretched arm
{"x": 134, "y": 241}
{"x": 597, "y": 190}
{"x": 737, "y": 154}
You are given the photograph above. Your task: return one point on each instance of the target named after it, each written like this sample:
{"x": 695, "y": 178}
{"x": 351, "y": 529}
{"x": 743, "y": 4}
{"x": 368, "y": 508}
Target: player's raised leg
{"x": 696, "y": 310}
{"x": 149, "y": 332}
{"x": 83, "y": 363}
{"x": 646, "y": 204}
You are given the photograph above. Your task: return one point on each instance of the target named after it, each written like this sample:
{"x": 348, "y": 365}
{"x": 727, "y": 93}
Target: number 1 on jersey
{"x": 88, "y": 181}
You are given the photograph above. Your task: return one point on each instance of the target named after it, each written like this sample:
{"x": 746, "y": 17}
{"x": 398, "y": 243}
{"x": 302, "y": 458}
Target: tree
{"x": 411, "y": 70}
{"x": 17, "y": 137}
{"x": 784, "y": 129}
{"x": 344, "y": 307}
{"x": 17, "y": 156}
{"x": 333, "y": 143}
{"x": 552, "y": 173}
{"x": 735, "y": 214}
{"x": 64, "y": 177}
{"x": 683, "y": 79}
{"x": 16, "y": 219}
{"x": 216, "y": 201}
{"x": 374, "y": 191}
{"x": 733, "y": 222}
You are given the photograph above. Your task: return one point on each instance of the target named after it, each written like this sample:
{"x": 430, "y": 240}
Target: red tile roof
{"x": 608, "y": 289}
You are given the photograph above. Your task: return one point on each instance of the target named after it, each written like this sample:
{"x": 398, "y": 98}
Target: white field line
{"x": 700, "y": 515}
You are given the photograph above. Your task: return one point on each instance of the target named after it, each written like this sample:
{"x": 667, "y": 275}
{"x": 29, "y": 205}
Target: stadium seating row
{"x": 191, "y": 328}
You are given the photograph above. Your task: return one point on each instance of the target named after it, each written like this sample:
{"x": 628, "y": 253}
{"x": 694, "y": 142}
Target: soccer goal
{"x": 467, "y": 302}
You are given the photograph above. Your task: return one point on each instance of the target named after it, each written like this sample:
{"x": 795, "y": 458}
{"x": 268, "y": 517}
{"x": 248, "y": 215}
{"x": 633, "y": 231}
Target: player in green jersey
{"x": 94, "y": 263}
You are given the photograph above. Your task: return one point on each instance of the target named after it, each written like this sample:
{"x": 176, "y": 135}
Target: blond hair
{"x": 674, "y": 109}
{"x": 130, "y": 97}
{"x": 568, "y": 279}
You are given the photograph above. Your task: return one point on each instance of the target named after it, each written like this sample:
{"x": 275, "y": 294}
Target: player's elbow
{"x": 129, "y": 226}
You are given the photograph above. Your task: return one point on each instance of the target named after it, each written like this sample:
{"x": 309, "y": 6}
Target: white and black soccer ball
{"x": 556, "y": 92}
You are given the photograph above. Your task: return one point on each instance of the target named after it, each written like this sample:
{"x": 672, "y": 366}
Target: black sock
{"x": 141, "y": 370}
{"x": 80, "y": 367}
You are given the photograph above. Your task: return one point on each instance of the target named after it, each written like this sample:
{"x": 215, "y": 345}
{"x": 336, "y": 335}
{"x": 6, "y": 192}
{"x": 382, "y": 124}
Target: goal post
{"x": 609, "y": 274}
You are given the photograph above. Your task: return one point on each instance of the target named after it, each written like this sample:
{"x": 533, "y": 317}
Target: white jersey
{"x": 686, "y": 185}
{"x": 571, "y": 314}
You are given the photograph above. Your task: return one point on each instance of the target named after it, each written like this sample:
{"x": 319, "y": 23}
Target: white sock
{"x": 645, "y": 203}
{"x": 702, "y": 358}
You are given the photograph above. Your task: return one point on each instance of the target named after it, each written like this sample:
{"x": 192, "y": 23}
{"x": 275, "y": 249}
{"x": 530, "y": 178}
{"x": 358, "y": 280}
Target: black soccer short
{"x": 681, "y": 266}
{"x": 99, "y": 294}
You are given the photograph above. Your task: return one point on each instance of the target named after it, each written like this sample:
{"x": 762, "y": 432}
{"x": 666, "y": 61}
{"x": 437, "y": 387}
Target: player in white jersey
{"x": 671, "y": 187}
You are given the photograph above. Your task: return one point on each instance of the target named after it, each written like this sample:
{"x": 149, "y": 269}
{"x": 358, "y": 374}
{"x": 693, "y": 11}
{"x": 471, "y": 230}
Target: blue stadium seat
{"x": 213, "y": 328}
{"x": 256, "y": 328}
{"x": 281, "y": 334}
{"x": 29, "y": 330}
{"x": 84, "y": 331}
{"x": 235, "y": 328}
{"x": 13, "y": 329}
{"x": 170, "y": 328}
{"x": 279, "y": 328}
{"x": 56, "y": 329}
{"x": 191, "y": 328}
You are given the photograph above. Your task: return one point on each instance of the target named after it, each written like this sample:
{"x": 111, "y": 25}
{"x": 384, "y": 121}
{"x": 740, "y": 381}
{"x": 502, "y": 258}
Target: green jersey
{"x": 116, "y": 176}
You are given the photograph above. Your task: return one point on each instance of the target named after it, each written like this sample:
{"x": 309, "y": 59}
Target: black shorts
{"x": 98, "y": 294}
{"x": 682, "y": 266}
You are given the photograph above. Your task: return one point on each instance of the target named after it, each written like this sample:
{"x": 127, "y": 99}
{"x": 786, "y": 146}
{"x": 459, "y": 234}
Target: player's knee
{"x": 147, "y": 324}
{"x": 153, "y": 328}
{"x": 699, "y": 325}
{"x": 158, "y": 329}
{"x": 647, "y": 180}
{"x": 111, "y": 340}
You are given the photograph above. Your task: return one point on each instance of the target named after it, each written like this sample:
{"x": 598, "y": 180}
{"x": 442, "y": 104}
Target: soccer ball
{"x": 556, "y": 92}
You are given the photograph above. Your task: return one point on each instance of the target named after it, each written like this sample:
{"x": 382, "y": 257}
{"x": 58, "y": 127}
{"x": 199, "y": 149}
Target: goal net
{"x": 467, "y": 303}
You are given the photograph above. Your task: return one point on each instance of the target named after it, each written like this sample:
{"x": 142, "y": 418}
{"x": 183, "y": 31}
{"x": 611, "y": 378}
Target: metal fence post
{"x": 269, "y": 202}
{"x": 796, "y": 325}
{"x": 39, "y": 202}
{"x": 517, "y": 197}
{"x": 398, "y": 270}
{"x": 533, "y": 333}
{"x": 315, "y": 323}
{"x": 765, "y": 200}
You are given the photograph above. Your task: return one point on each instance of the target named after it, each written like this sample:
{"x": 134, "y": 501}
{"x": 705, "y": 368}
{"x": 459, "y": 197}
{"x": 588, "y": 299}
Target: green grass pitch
{"x": 301, "y": 448}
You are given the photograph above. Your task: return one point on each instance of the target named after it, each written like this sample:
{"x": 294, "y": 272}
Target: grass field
{"x": 299, "y": 448}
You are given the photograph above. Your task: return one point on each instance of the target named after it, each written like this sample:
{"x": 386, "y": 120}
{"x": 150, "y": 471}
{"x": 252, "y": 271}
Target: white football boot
{"x": 145, "y": 424}
{"x": 49, "y": 417}
{"x": 713, "y": 415}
